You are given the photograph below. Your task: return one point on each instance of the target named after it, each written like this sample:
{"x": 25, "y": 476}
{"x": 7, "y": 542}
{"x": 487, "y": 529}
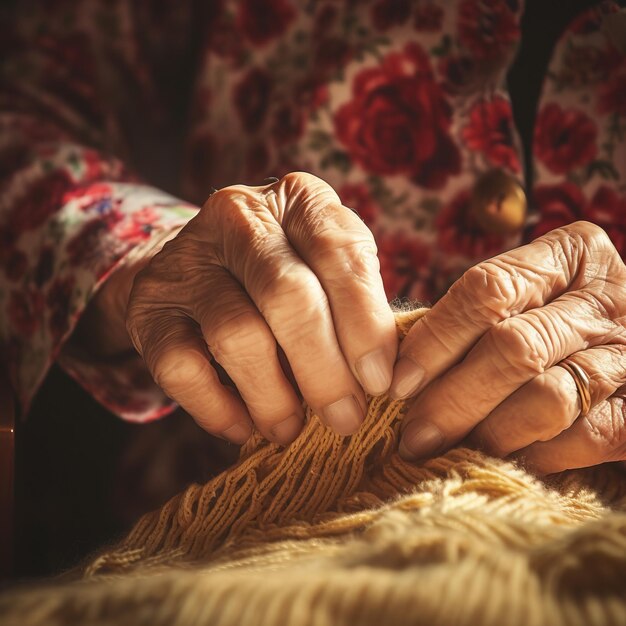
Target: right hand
{"x": 285, "y": 264}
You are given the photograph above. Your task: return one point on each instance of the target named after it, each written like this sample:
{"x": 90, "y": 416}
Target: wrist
{"x": 101, "y": 330}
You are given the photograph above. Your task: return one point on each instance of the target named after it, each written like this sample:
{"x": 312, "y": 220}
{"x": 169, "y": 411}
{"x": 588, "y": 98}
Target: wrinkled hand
{"x": 486, "y": 356}
{"x": 285, "y": 264}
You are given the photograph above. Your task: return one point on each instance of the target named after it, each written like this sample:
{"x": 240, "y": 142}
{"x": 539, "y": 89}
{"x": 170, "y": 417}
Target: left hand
{"x": 486, "y": 356}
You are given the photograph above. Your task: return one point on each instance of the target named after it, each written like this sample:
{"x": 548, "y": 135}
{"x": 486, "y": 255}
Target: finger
{"x": 242, "y": 343}
{"x": 598, "y": 437}
{"x": 341, "y": 251}
{"x": 550, "y": 402}
{"x": 492, "y": 291}
{"x": 178, "y": 360}
{"x": 508, "y": 356}
{"x": 293, "y": 303}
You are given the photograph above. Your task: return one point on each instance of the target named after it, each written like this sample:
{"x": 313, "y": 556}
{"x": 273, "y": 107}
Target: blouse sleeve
{"x": 579, "y": 147}
{"x": 71, "y": 212}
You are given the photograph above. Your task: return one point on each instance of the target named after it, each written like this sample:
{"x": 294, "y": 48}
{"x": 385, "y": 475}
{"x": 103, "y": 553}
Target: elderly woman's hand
{"x": 490, "y": 349}
{"x": 284, "y": 264}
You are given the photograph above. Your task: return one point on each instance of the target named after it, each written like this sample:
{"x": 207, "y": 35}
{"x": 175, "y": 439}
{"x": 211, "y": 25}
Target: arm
{"x": 71, "y": 215}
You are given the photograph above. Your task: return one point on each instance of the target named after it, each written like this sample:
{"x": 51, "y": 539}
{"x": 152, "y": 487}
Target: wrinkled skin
{"x": 282, "y": 264}
{"x": 484, "y": 361}
{"x": 276, "y": 290}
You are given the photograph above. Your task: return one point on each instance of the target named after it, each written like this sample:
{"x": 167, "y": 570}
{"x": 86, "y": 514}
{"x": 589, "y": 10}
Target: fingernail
{"x": 419, "y": 441}
{"x": 344, "y": 416}
{"x": 238, "y": 433}
{"x": 374, "y": 372}
{"x": 407, "y": 378}
{"x": 286, "y": 431}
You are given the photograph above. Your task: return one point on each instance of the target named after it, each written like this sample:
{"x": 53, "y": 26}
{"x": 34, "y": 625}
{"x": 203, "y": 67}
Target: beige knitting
{"x": 341, "y": 531}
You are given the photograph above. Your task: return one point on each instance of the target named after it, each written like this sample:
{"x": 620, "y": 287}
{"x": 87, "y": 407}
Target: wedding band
{"x": 582, "y": 384}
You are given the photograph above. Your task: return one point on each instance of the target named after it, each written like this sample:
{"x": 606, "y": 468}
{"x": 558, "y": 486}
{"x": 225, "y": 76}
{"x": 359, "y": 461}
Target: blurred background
{"x": 62, "y": 515}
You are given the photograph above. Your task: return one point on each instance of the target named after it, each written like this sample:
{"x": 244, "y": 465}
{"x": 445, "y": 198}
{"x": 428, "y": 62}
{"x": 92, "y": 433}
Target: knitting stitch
{"x": 340, "y": 530}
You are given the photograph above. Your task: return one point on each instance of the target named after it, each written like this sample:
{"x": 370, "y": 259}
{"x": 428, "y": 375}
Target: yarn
{"x": 340, "y": 530}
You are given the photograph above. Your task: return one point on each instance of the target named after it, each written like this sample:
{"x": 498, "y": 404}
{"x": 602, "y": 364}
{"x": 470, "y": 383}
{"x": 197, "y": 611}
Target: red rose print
{"x": 58, "y": 303}
{"x": 403, "y": 261}
{"x": 564, "y": 139}
{"x": 15, "y": 265}
{"x": 94, "y": 166}
{"x": 458, "y": 233}
{"x": 288, "y": 124}
{"x": 608, "y": 210}
{"x": 398, "y": 121}
{"x": 43, "y": 198}
{"x": 563, "y": 204}
{"x": 311, "y": 93}
{"x": 490, "y": 131}
{"x": 25, "y": 311}
{"x": 252, "y": 98}
{"x": 357, "y": 197}
{"x": 85, "y": 247}
{"x": 490, "y": 30}
{"x": 331, "y": 53}
{"x": 96, "y": 197}
{"x": 558, "y": 205}
{"x": 612, "y": 95}
{"x": 136, "y": 227}
{"x": 584, "y": 65}
{"x": 590, "y": 21}
{"x": 460, "y": 74}
{"x": 388, "y": 13}
{"x": 428, "y": 17}
{"x": 264, "y": 20}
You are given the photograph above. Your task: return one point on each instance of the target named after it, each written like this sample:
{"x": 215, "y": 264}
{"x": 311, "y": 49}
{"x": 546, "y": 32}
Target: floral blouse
{"x": 118, "y": 116}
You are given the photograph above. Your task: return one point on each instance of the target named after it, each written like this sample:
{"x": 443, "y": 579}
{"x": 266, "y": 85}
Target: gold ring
{"x": 582, "y": 384}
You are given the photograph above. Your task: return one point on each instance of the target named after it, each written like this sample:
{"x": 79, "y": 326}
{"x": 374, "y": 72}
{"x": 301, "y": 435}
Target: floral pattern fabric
{"x": 580, "y": 133}
{"x": 117, "y": 117}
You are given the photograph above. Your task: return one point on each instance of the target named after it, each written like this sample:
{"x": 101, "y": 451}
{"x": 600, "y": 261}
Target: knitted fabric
{"x": 339, "y": 530}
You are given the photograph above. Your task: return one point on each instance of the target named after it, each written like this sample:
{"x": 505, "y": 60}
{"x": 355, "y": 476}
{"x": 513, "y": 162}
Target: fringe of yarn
{"x": 335, "y": 530}
{"x": 271, "y": 488}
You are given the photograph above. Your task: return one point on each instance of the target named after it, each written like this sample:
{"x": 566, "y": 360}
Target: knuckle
{"x": 223, "y": 208}
{"x": 589, "y": 233}
{"x": 355, "y": 259}
{"x": 317, "y": 219}
{"x": 494, "y": 285}
{"x": 220, "y": 196}
{"x": 517, "y": 348}
{"x": 290, "y": 287}
{"x": 294, "y": 178}
{"x": 306, "y": 181}
{"x": 599, "y": 238}
{"x": 242, "y": 337}
{"x": 580, "y": 238}
{"x": 562, "y": 406}
{"x": 176, "y": 371}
